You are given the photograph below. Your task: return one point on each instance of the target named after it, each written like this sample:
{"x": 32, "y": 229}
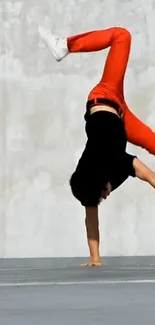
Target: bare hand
{"x": 92, "y": 264}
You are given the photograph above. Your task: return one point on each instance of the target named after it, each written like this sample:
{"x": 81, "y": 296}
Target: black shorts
{"x": 103, "y": 160}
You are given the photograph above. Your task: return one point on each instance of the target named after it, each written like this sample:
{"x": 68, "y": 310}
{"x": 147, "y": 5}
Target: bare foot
{"x": 92, "y": 264}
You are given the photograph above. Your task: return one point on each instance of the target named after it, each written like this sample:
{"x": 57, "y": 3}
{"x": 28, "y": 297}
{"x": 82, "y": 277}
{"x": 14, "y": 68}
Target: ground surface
{"x": 61, "y": 292}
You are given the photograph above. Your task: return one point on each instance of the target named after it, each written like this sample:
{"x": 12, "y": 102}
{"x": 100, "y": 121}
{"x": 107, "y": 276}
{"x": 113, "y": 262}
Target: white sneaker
{"x": 56, "y": 44}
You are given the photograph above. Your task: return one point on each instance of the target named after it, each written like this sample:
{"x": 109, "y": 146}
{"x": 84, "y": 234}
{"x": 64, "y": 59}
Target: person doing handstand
{"x": 104, "y": 164}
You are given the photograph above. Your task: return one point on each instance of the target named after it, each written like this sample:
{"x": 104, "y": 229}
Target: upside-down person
{"x": 105, "y": 164}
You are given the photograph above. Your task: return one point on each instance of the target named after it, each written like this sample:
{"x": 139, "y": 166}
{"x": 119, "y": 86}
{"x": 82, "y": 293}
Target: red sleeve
{"x": 138, "y": 133}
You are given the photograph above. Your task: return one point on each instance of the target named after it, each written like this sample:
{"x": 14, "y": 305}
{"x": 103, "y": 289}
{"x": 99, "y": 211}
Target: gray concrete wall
{"x": 42, "y": 129}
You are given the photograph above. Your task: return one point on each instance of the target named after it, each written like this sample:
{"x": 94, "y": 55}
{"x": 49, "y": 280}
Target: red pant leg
{"x": 138, "y": 133}
{"x": 111, "y": 83}
{"x": 119, "y": 40}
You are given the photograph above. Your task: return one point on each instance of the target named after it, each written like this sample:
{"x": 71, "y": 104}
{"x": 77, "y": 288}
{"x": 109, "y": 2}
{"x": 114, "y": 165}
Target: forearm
{"x": 93, "y": 235}
{"x": 143, "y": 172}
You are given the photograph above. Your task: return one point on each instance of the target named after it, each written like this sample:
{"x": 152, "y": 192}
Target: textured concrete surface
{"x": 72, "y": 295}
{"x": 42, "y": 134}
{"x": 68, "y": 270}
{"x": 76, "y": 274}
{"x": 50, "y": 263}
{"x": 111, "y": 304}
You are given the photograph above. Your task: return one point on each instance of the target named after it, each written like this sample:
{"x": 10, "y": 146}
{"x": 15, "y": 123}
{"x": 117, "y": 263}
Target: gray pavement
{"x": 57, "y": 292}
